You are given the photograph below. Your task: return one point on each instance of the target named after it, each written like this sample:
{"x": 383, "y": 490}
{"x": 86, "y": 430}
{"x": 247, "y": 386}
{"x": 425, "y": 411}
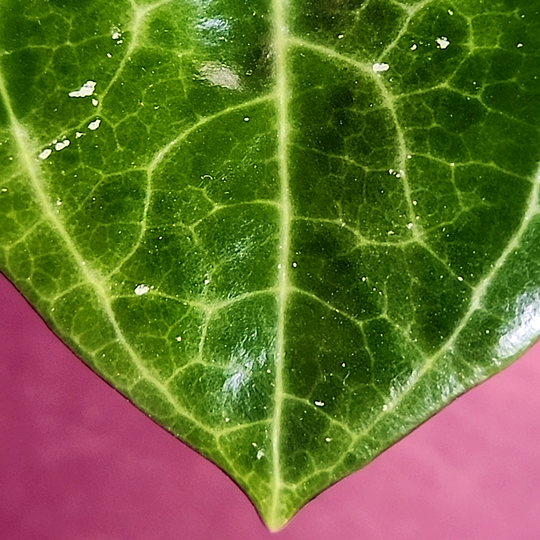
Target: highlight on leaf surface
{"x": 288, "y": 230}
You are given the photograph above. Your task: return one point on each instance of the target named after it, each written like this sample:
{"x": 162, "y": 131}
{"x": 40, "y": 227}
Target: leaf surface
{"x": 289, "y": 231}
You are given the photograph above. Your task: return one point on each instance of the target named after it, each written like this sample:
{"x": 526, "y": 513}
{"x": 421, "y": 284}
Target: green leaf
{"x": 288, "y": 230}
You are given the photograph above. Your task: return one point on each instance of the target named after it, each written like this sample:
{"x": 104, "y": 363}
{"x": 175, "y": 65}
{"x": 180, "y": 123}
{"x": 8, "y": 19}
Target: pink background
{"x": 78, "y": 462}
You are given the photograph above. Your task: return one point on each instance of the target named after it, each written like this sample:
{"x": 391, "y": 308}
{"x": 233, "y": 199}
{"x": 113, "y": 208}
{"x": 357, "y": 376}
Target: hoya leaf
{"x": 288, "y": 230}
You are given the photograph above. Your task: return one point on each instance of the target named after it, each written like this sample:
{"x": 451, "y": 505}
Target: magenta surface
{"x": 78, "y": 462}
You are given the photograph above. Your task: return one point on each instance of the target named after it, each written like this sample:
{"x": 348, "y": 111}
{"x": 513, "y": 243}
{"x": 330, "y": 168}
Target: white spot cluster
{"x": 57, "y": 145}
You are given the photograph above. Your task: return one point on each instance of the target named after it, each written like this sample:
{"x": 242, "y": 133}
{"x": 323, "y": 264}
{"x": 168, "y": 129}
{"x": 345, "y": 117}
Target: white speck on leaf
{"x": 319, "y": 403}
{"x": 92, "y": 126}
{"x": 87, "y": 89}
{"x": 379, "y": 68}
{"x": 45, "y": 154}
{"x": 443, "y": 42}
{"x": 141, "y": 289}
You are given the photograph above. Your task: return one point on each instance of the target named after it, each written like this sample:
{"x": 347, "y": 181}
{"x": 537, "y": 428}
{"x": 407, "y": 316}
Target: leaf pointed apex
{"x": 280, "y": 512}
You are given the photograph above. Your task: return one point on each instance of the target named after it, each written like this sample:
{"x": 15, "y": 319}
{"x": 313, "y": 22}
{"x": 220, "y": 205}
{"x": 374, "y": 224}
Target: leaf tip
{"x": 276, "y": 523}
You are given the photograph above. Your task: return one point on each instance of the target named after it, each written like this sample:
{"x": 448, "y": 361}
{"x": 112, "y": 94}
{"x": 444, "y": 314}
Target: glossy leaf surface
{"x": 289, "y": 231}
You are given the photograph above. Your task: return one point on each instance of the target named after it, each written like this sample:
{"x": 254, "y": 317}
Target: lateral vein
{"x": 90, "y": 276}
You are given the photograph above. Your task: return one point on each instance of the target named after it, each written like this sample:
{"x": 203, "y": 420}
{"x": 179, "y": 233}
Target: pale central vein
{"x": 282, "y": 96}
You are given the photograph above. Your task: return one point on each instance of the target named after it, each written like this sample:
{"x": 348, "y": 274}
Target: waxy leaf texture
{"x": 288, "y": 230}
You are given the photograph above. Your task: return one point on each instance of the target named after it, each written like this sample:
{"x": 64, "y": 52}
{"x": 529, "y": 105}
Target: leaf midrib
{"x": 282, "y": 100}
